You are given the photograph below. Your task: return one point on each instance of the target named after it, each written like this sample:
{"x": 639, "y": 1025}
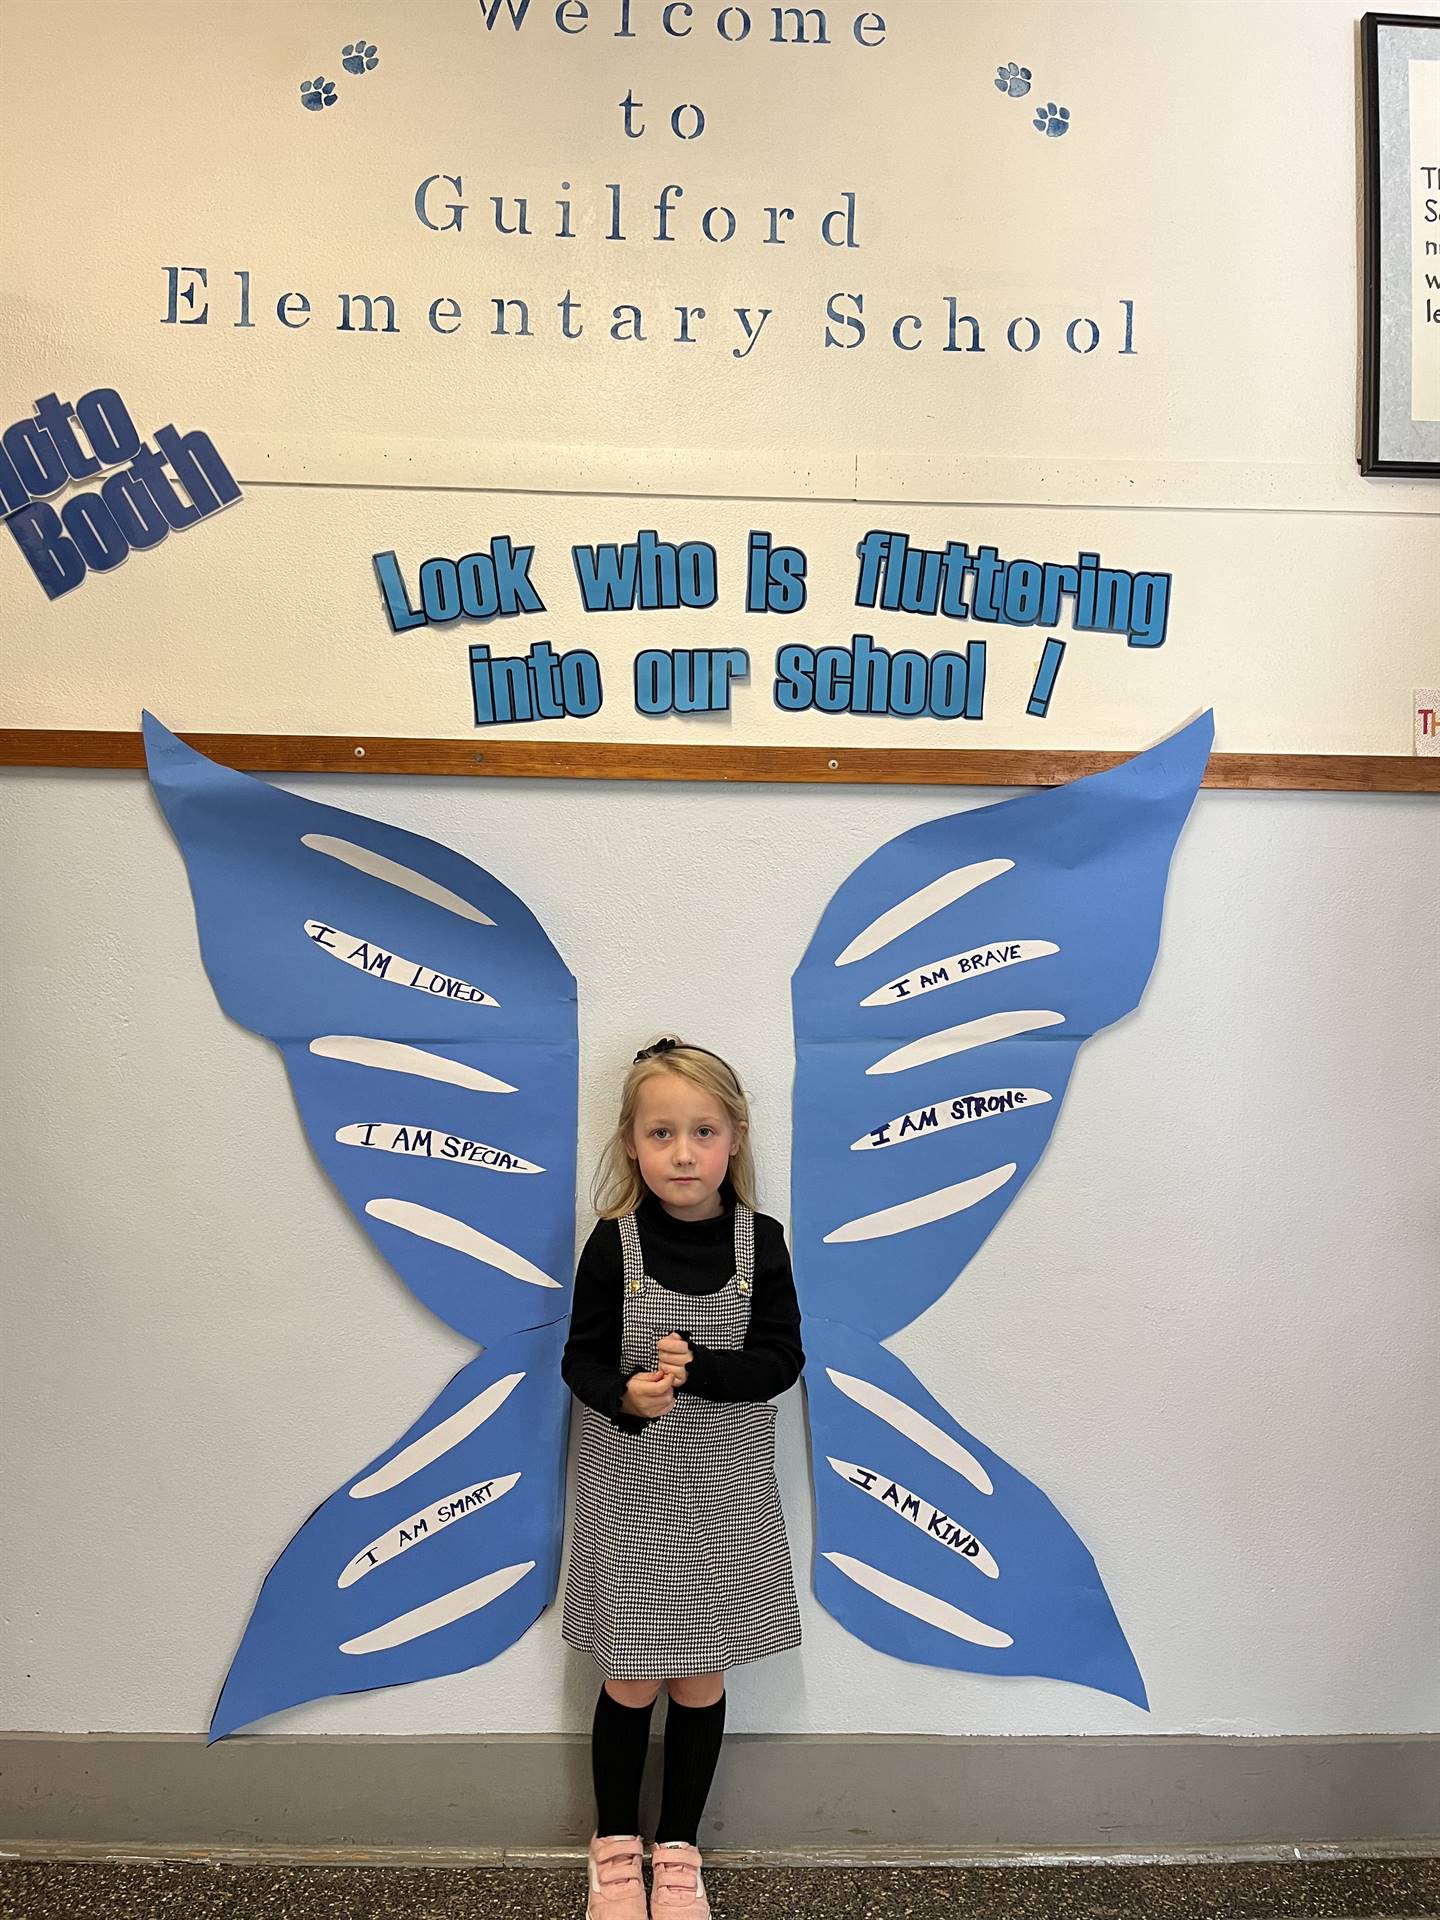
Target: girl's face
{"x": 682, "y": 1140}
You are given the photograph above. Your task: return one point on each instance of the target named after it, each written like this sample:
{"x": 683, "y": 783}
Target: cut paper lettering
{"x": 1082, "y": 871}
{"x": 440, "y": 1554}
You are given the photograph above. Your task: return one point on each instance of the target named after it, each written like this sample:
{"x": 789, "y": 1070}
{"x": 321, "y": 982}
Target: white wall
{"x": 1208, "y": 1328}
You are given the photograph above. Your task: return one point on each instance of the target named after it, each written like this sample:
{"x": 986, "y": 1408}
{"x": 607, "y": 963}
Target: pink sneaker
{"x": 679, "y": 1890}
{"x": 617, "y": 1884}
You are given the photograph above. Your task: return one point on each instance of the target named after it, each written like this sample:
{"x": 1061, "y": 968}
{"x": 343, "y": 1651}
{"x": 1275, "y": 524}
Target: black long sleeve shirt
{"x": 694, "y": 1257}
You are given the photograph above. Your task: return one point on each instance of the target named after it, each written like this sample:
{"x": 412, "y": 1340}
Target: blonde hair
{"x": 618, "y": 1187}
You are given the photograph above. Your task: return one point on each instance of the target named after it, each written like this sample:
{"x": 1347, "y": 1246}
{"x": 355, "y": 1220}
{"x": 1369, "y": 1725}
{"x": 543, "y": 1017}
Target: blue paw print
{"x": 1053, "y": 120}
{"x": 1013, "y": 80}
{"x": 317, "y": 93}
{"x": 360, "y": 58}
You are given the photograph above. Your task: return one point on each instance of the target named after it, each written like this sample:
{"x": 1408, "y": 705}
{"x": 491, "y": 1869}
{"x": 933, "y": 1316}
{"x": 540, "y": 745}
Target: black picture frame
{"x": 1379, "y": 452}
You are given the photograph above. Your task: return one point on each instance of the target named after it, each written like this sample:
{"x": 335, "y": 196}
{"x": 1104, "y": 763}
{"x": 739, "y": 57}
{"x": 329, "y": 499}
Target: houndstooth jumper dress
{"x": 678, "y": 1558}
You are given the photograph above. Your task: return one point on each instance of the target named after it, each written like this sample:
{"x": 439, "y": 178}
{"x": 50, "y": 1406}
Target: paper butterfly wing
{"x": 434, "y": 1559}
{"x": 429, "y": 1030}
{"x": 427, "y": 1023}
{"x": 931, "y": 1547}
{"x": 938, "y": 1012}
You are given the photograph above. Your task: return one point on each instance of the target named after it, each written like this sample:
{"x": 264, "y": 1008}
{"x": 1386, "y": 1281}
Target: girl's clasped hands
{"x": 651, "y": 1394}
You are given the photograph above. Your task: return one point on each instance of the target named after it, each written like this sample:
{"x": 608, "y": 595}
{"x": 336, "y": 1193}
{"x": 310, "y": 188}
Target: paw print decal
{"x": 360, "y": 58}
{"x": 1013, "y": 80}
{"x": 1053, "y": 120}
{"x": 318, "y": 93}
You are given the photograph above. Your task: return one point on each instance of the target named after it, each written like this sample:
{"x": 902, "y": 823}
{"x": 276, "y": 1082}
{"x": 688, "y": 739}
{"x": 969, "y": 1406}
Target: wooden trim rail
{"x": 813, "y": 766}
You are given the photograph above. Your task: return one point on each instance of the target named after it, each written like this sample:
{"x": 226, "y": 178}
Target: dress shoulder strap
{"x": 744, "y": 1248}
{"x": 634, "y": 1258}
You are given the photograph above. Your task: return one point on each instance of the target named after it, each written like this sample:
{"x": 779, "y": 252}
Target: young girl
{"x": 685, "y": 1326}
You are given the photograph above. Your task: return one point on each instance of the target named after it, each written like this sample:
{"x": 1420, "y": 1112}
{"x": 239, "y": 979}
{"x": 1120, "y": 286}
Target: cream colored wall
{"x": 1202, "y": 211}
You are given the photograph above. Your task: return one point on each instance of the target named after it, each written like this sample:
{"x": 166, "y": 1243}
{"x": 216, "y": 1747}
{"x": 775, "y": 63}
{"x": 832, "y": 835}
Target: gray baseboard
{"x": 858, "y": 1795}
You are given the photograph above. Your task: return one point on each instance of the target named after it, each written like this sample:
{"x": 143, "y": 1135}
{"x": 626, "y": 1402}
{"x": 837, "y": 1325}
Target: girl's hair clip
{"x": 667, "y": 1045}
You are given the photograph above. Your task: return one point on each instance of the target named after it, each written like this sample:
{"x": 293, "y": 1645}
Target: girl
{"x": 685, "y": 1326}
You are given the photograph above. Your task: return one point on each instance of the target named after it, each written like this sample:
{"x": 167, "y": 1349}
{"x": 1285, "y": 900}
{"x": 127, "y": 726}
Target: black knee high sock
{"x": 692, "y": 1747}
{"x": 618, "y": 1746}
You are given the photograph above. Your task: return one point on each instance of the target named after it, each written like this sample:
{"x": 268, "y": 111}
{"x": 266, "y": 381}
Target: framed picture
{"x": 1400, "y": 66}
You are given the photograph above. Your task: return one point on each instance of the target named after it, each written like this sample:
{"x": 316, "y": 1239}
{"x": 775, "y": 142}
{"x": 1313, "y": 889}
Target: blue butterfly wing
{"x": 426, "y": 1020}
{"x": 938, "y": 1012}
{"x": 435, "y": 1558}
{"x": 428, "y": 1027}
{"x": 932, "y": 1548}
